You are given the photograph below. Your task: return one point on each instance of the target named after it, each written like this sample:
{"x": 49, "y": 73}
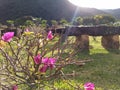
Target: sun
{"x": 99, "y": 4}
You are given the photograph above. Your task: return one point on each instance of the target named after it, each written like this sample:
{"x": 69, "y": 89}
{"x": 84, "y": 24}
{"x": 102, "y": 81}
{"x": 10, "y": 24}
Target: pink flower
{"x": 37, "y": 59}
{"x": 49, "y": 36}
{"x": 27, "y": 30}
{"x": 89, "y": 86}
{"x": 7, "y": 37}
{"x": 50, "y": 62}
{"x": 15, "y": 87}
{"x": 44, "y": 68}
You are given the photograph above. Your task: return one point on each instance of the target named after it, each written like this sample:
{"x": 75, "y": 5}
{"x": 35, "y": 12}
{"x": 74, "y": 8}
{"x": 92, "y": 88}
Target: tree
{"x": 104, "y": 19}
{"x": 63, "y": 22}
{"x": 29, "y": 23}
{"x": 88, "y": 21}
{"x": 97, "y": 19}
{"x": 78, "y": 21}
{"x": 44, "y": 23}
{"x": 22, "y": 20}
{"x": 108, "y": 19}
{"x": 37, "y": 21}
{"x": 54, "y": 23}
{"x": 116, "y": 23}
{"x": 10, "y": 23}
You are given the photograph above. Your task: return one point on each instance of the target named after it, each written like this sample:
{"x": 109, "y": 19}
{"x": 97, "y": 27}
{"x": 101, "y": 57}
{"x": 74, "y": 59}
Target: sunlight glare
{"x": 99, "y": 4}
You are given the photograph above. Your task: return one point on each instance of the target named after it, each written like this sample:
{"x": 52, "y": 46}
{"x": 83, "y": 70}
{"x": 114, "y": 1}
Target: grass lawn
{"x": 103, "y": 71}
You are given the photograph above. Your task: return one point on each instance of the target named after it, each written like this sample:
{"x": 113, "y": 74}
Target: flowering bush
{"x": 32, "y": 60}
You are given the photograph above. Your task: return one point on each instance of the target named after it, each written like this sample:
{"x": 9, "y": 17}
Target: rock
{"x": 82, "y": 43}
{"x": 110, "y": 42}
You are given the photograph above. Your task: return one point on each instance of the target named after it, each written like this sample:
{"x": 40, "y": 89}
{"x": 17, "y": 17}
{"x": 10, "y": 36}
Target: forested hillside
{"x": 114, "y": 12}
{"x": 46, "y": 9}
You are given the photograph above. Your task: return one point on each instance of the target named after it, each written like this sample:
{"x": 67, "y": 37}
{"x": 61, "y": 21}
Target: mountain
{"x": 114, "y": 12}
{"x": 46, "y": 9}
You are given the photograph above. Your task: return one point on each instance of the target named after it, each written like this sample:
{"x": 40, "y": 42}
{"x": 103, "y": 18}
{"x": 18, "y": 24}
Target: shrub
{"x": 30, "y": 61}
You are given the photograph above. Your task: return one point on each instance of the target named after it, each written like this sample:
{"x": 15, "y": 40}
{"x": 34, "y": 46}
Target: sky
{"x": 99, "y": 4}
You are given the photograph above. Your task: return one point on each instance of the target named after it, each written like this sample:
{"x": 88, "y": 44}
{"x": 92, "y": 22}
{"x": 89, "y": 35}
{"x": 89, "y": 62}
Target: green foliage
{"x": 78, "y": 21}
{"x": 103, "y": 19}
{"x": 116, "y": 23}
{"x": 10, "y": 22}
{"x": 29, "y": 23}
{"x": 99, "y": 19}
{"x": 54, "y": 22}
{"x": 44, "y": 23}
{"x": 63, "y": 22}
{"x": 37, "y": 21}
{"x": 88, "y": 21}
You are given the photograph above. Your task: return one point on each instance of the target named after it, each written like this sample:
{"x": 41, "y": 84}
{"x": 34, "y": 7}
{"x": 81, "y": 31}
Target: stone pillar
{"x": 82, "y": 43}
{"x": 110, "y": 42}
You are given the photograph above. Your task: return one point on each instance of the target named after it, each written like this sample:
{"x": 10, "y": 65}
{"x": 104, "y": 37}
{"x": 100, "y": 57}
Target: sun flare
{"x": 99, "y": 4}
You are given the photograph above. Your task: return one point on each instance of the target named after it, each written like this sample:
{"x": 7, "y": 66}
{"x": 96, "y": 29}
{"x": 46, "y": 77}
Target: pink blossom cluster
{"x": 7, "y": 37}
{"x": 15, "y": 87}
{"x": 47, "y": 62}
{"x": 49, "y": 35}
{"x": 89, "y": 86}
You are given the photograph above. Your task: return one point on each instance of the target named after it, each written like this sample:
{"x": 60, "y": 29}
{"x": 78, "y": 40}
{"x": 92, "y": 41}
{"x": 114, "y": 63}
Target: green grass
{"x": 103, "y": 71}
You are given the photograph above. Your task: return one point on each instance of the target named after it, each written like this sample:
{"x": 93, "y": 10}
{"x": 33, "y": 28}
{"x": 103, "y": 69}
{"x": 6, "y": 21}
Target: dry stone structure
{"x": 110, "y": 36}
